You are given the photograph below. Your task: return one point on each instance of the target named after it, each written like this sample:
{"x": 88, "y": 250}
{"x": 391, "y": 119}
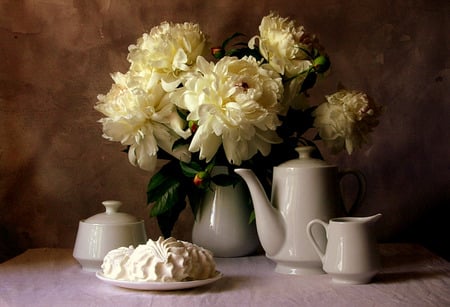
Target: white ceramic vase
{"x": 222, "y": 220}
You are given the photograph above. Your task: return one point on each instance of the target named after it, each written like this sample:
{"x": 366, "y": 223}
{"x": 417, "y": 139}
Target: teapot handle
{"x": 313, "y": 240}
{"x": 361, "y": 188}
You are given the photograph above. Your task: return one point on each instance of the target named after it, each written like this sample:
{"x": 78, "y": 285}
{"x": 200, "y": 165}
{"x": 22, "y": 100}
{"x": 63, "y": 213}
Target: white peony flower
{"x": 168, "y": 50}
{"x": 235, "y": 104}
{"x": 140, "y": 115}
{"x": 284, "y": 45}
{"x": 346, "y": 120}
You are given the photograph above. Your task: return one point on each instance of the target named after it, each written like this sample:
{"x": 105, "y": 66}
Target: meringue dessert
{"x": 164, "y": 260}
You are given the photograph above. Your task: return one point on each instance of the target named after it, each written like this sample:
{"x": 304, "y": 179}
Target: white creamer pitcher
{"x": 351, "y": 255}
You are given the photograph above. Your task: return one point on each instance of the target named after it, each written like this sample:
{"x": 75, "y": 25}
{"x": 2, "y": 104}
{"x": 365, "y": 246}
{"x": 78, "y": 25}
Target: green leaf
{"x": 169, "y": 198}
{"x": 167, "y": 191}
{"x": 164, "y": 182}
{"x": 158, "y": 187}
{"x": 190, "y": 169}
{"x": 241, "y": 44}
{"x": 229, "y": 39}
{"x": 167, "y": 220}
{"x": 309, "y": 81}
{"x": 195, "y": 197}
{"x": 210, "y": 165}
{"x": 252, "y": 217}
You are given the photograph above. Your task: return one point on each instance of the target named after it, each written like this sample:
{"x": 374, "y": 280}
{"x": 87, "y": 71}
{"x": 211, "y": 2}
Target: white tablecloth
{"x": 411, "y": 276}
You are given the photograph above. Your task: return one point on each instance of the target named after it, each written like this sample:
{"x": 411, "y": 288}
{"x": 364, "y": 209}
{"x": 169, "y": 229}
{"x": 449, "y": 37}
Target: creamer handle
{"x": 313, "y": 240}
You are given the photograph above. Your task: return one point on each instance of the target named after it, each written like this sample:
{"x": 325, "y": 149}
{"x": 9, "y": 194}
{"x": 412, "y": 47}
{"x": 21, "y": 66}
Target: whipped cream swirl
{"x": 164, "y": 260}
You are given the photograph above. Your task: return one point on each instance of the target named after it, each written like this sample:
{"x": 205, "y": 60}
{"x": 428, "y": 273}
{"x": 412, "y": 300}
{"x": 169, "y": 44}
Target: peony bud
{"x": 193, "y": 126}
{"x": 199, "y": 178}
{"x": 218, "y": 52}
{"x": 321, "y": 64}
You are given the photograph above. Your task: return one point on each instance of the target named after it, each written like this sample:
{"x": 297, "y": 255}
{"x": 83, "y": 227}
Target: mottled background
{"x": 56, "y": 57}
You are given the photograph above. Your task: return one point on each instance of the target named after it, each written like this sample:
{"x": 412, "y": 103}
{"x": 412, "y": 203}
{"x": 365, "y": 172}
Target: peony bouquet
{"x": 246, "y": 106}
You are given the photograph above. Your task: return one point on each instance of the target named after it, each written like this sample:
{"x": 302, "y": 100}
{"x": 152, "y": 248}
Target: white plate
{"x": 160, "y": 286}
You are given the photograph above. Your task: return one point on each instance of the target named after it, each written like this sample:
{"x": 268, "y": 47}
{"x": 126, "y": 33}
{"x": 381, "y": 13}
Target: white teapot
{"x": 303, "y": 189}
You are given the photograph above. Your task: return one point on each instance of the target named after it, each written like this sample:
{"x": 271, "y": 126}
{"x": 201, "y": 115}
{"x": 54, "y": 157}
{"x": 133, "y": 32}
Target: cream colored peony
{"x": 287, "y": 48}
{"x": 169, "y": 50}
{"x": 140, "y": 115}
{"x": 346, "y": 120}
{"x": 284, "y": 45}
{"x": 235, "y": 104}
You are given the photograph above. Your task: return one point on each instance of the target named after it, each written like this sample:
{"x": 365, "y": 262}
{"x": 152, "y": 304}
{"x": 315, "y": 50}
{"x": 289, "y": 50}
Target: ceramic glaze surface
{"x": 104, "y": 232}
{"x": 221, "y": 224}
{"x": 351, "y": 255}
{"x": 302, "y": 190}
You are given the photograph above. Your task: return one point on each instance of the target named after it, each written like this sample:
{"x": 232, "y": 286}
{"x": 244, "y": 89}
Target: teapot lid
{"x": 305, "y": 159}
{"x": 111, "y": 215}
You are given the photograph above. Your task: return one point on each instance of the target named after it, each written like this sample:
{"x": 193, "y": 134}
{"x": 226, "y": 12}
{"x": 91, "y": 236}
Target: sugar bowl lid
{"x": 111, "y": 215}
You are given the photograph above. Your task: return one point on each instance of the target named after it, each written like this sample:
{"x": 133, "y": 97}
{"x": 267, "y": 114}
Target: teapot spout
{"x": 269, "y": 222}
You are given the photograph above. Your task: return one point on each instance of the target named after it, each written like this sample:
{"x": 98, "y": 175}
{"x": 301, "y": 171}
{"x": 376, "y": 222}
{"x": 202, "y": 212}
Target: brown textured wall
{"x": 56, "y": 56}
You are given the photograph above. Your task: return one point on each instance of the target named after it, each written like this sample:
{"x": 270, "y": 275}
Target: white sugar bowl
{"x": 104, "y": 232}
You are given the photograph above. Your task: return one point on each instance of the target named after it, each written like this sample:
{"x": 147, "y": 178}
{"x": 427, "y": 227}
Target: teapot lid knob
{"x": 305, "y": 152}
{"x": 305, "y": 159}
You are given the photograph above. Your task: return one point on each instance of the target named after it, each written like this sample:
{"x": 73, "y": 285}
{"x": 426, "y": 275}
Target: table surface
{"x": 411, "y": 276}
